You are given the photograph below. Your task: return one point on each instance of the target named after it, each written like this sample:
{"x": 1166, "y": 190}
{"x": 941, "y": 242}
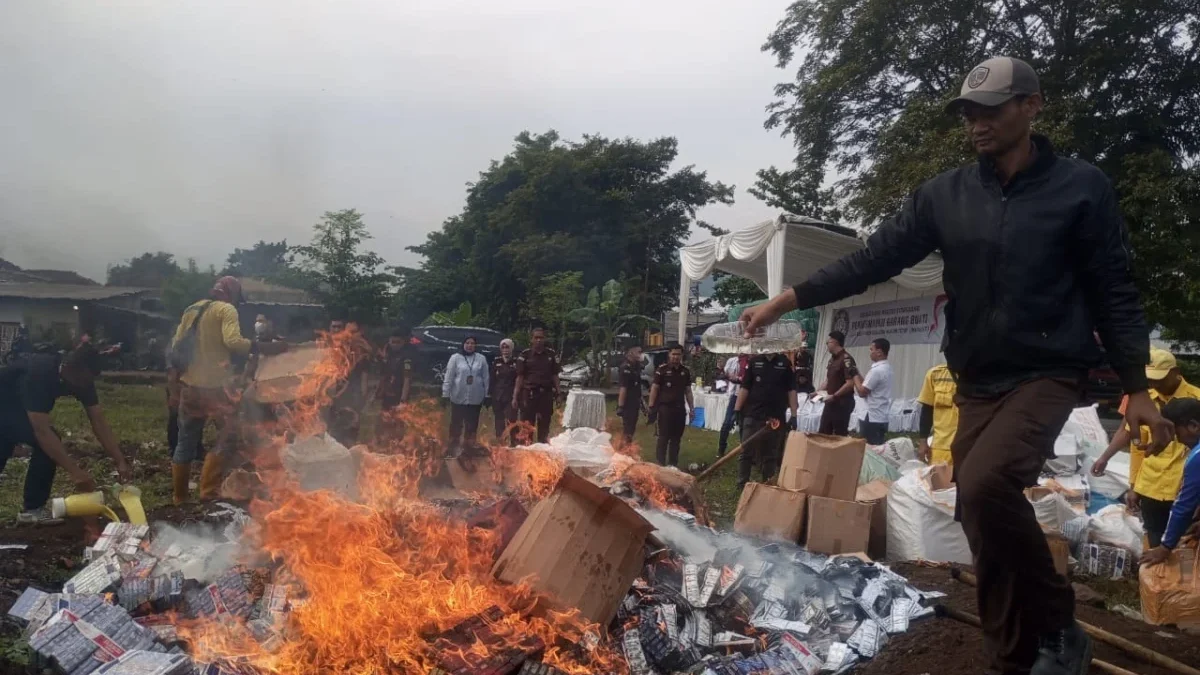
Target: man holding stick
{"x": 1036, "y": 259}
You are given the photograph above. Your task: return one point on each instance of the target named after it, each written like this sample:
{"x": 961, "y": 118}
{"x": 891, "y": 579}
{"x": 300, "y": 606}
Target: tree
{"x": 553, "y": 301}
{"x": 461, "y": 316}
{"x": 731, "y": 290}
{"x": 872, "y": 77}
{"x": 268, "y": 261}
{"x": 605, "y": 208}
{"x": 148, "y": 270}
{"x": 606, "y": 315}
{"x": 343, "y": 276}
{"x": 186, "y": 287}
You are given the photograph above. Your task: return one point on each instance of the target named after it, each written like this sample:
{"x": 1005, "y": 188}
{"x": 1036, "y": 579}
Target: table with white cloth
{"x": 585, "y": 408}
{"x": 715, "y": 405}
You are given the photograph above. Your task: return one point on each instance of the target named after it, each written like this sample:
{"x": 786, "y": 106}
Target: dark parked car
{"x": 435, "y": 344}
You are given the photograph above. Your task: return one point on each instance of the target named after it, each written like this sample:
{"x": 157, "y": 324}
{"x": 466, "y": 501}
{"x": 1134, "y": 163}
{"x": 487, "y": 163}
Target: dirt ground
{"x": 942, "y": 646}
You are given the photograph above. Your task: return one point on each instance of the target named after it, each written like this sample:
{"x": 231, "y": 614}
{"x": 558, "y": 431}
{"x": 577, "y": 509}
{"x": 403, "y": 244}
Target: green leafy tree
{"x": 603, "y": 207}
{"x": 186, "y": 287}
{"x": 269, "y": 261}
{"x": 730, "y": 290}
{"x": 554, "y": 298}
{"x": 347, "y": 279}
{"x": 461, "y": 316}
{"x": 1120, "y": 82}
{"x": 607, "y": 314}
{"x": 148, "y": 270}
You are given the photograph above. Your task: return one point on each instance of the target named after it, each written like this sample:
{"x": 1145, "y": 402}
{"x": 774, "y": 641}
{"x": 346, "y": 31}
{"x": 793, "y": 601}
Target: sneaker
{"x": 1064, "y": 652}
{"x": 37, "y": 517}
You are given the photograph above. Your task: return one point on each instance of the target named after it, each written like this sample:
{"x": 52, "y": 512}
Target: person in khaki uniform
{"x": 1155, "y": 481}
{"x": 939, "y": 415}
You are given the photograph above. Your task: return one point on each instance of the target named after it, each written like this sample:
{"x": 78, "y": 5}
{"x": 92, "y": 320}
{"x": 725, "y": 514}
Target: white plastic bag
{"x": 1053, "y": 511}
{"x": 1114, "y": 526}
{"x": 920, "y": 521}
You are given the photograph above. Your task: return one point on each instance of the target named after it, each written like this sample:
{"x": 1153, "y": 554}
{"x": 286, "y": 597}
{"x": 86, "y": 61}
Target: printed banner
{"x": 916, "y": 321}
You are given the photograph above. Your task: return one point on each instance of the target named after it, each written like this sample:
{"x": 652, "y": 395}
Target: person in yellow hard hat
{"x": 939, "y": 415}
{"x": 1154, "y": 477}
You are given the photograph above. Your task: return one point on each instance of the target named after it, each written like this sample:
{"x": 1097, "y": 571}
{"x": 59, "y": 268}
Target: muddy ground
{"x": 937, "y": 646}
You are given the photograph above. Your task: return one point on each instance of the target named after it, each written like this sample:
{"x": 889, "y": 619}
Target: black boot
{"x": 1065, "y": 652}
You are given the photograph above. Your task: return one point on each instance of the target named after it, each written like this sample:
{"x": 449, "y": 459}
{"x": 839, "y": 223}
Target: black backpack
{"x": 183, "y": 352}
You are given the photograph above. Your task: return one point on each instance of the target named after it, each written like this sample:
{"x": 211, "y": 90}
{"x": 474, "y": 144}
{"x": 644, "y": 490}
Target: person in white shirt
{"x": 732, "y": 374}
{"x": 465, "y": 386}
{"x": 876, "y": 388}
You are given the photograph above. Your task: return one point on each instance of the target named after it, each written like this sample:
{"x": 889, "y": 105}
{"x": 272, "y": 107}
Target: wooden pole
{"x": 1132, "y": 648}
{"x": 771, "y": 425}
{"x": 972, "y": 620}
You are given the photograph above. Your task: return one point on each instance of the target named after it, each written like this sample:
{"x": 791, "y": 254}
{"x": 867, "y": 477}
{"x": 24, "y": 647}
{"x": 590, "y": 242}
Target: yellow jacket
{"x": 1159, "y": 476}
{"x": 218, "y": 338}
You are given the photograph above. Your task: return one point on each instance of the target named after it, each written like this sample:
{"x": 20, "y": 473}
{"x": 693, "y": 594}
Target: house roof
{"x": 48, "y": 291}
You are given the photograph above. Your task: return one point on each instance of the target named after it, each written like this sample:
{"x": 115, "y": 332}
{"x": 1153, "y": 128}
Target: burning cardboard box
{"x": 278, "y": 377}
{"x": 822, "y": 466}
{"x": 581, "y": 547}
{"x": 770, "y": 512}
{"x": 836, "y": 526}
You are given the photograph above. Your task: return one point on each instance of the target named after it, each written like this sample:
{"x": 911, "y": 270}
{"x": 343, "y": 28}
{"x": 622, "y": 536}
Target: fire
{"x": 642, "y": 478}
{"x": 373, "y": 584}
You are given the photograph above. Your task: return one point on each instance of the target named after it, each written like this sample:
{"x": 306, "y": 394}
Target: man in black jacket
{"x": 1036, "y": 258}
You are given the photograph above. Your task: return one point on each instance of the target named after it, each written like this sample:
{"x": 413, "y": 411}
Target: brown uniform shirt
{"x": 504, "y": 377}
{"x": 540, "y": 371}
{"x": 672, "y": 382}
{"x": 841, "y": 369}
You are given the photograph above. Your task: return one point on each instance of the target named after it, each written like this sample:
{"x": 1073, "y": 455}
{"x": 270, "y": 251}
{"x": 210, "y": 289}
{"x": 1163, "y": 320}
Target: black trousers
{"x": 998, "y": 451}
{"x": 39, "y": 478}
{"x": 1155, "y": 514}
{"x": 835, "y": 416}
{"x": 874, "y": 433}
{"x": 464, "y": 425}
{"x": 672, "y": 420}
{"x": 766, "y": 450}
{"x": 727, "y": 426}
{"x": 629, "y": 419}
{"x": 505, "y": 415}
{"x": 537, "y": 409}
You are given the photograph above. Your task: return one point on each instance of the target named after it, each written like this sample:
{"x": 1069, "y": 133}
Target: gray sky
{"x": 194, "y": 127}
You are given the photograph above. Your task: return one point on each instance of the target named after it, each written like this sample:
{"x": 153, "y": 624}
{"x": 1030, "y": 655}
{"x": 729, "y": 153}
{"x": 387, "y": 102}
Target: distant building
{"x": 60, "y": 313}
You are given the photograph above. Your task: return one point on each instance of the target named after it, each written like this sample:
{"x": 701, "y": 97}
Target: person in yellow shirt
{"x": 209, "y": 336}
{"x": 1154, "y": 477}
{"x": 939, "y": 415}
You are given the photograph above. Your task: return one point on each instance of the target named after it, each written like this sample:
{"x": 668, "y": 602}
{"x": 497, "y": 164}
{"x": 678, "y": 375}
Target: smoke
{"x": 199, "y": 550}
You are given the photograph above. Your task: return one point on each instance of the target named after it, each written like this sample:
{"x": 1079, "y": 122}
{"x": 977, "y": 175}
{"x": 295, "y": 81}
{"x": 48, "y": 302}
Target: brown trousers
{"x": 998, "y": 451}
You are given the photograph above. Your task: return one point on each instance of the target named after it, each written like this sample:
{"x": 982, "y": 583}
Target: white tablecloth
{"x": 585, "y": 408}
{"x": 715, "y": 405}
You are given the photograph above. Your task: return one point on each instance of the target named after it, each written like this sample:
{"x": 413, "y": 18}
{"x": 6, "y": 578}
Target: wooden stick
{"x": 770, "y": 425}
{"x": 972, "y": 620}
{"x": 1132, "y": 648}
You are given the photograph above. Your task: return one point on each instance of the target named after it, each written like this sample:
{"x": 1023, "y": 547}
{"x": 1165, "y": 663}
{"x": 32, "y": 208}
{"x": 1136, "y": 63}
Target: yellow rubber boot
{"x": 210, "y": 477}
{"x": 180, "y": 473}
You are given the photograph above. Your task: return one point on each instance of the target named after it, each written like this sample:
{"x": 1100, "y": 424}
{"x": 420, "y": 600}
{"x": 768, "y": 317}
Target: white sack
{"x": 1053, "y": 511}
{"x": 1114, "y": 526}
{"x": 920, "y": 522}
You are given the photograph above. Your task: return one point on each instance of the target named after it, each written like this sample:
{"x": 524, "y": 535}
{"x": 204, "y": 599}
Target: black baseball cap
{"x": 996, "y": 81}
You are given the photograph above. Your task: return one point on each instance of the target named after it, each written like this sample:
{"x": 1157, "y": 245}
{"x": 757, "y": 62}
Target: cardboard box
{"x": 1171, "y": 590}
{"x": 1060, "y": 550}
{"x": 822, "y": 466}
{"x": 875, "y": 493}
{"x": 770, "y": 512}
{"x": 580, "y": 547}
{"x": 836, "y": 526}
{"x": 278, "y": 378}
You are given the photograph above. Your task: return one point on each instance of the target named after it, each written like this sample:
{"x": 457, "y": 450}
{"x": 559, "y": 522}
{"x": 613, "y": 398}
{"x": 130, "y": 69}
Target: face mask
{"x": 260, "y": 328}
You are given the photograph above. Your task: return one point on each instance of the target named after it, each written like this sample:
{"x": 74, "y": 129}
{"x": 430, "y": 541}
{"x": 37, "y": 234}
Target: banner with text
{"x": 916, "y": 321}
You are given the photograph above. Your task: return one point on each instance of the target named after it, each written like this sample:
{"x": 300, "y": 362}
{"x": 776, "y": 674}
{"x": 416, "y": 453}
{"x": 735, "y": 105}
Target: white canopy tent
{"x": 780, "y": 253}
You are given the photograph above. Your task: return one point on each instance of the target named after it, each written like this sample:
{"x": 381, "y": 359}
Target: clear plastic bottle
{"x": 730, "y": 338}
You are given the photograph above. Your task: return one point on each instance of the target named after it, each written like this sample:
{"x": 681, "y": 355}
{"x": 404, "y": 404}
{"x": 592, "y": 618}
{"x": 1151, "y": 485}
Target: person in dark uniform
{"x": 768, "y": 390}
{"x": 349, "y": 395}
{"x": 29, "y": 387}
{"x": 537, "y": 384}
{"x": 395, "y": 384}
{"x": 670, "y": 390}
{"x": 504, "y": 379}
{"x": 803, "y": 366}
{"x": 838, "y": 388}
{"x": 629, "y": 399}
